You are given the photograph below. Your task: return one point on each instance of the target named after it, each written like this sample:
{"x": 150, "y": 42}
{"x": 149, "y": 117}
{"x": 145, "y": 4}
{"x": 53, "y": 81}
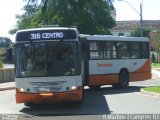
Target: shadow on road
{"x": 95, "y": 103}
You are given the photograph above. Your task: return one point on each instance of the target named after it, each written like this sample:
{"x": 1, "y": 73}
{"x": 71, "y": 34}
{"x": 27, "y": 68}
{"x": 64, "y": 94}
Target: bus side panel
{"x": 103, "y": 79}
{"x": 106, "y": 72}
{"x": 142, "y": 73}
{"x": 140, "y": 76}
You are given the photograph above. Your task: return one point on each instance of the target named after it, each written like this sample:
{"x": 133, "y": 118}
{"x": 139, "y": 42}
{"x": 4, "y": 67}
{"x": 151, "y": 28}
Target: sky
{"x": 151, "y": 11}
{"x": 8, "y": 11}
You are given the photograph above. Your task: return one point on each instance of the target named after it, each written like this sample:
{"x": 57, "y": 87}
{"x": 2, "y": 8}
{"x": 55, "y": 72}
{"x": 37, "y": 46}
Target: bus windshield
{"x": 40, "y": 59}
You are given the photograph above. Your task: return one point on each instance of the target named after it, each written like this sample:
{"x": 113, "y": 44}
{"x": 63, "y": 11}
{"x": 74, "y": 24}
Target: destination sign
{"x": 46, "y": 35}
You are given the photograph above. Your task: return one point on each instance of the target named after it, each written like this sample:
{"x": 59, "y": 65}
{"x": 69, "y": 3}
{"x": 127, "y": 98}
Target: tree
{"x": 137, "y": 33}
{"x": 29, "y": 19}
{"x": 110, "y": 3}
{"x": 5, "y": 42}
{"x": 89, "y": 16}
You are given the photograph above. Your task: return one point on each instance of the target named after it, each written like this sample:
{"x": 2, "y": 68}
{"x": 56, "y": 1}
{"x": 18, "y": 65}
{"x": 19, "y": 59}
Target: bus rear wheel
{"x": 123, "y": 80}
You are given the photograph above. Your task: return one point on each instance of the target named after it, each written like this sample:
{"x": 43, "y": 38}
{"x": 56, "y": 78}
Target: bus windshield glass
{"x": 40, "y": 59}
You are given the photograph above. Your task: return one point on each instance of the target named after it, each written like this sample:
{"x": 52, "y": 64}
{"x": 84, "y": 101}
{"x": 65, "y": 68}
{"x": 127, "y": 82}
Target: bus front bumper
{"x": 48, "y": 97}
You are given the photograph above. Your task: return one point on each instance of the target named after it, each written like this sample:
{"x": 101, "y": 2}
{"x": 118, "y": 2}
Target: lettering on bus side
{"x": 104, "y": 65}
{"x": 54, "y": 35}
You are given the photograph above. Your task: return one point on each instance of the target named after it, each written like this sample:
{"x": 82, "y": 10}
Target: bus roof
{"x": 48, "y": 28}
{"x": 113, "y": 38}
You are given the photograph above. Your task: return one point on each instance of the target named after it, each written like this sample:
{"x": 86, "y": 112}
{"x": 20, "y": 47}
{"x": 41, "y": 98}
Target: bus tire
{"x": 79, "y": 102}
{"x": 123, "y": 79}
{"x": 97, "y": 87}
{"x": 30, "y": 104}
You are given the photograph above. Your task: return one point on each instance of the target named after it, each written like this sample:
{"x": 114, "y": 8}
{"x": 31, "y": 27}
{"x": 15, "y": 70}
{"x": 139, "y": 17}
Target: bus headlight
{"x": 73, "y": 88}
{"x": 21, "y": 90}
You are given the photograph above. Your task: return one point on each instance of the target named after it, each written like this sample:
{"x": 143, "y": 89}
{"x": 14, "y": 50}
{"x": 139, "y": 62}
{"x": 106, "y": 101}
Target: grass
{"x": 155, "y": 64}
{"x": 155, "y": 89}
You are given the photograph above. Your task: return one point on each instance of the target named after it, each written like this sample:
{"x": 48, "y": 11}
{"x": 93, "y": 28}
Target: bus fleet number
{"x": 35, "y": 36}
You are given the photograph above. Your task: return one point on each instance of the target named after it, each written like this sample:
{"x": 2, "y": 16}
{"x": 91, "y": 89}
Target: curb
{"x": 7, "y": 88}
{"x": 153, "y": 94}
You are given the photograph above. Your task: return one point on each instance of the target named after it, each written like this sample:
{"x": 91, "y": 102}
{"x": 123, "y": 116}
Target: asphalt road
{"x": 96, "y": 104}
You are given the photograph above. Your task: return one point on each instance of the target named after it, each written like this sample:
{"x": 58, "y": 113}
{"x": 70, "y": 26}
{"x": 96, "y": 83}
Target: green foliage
{"x": 89, "y": 16}
{"x": 5, "y": 42}
{"x": 137, "y": 33}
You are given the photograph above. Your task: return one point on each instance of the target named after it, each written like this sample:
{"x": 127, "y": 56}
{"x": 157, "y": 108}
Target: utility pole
{"x": 141, "y": 20}
{"x": 140, "y": 14}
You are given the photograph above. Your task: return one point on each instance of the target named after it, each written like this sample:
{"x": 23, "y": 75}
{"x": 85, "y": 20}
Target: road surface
{"x": 96, "y": 104}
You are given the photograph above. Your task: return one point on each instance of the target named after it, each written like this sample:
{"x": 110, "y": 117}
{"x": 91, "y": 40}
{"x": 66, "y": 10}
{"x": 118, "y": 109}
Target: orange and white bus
{"x": 111, "y": 60}
{"x": 53, "y": 64}
{"x": 43, "y": 71}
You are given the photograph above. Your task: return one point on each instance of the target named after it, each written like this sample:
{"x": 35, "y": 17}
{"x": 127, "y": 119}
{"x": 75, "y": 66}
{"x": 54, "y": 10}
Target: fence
{"x": 6, "y": 75}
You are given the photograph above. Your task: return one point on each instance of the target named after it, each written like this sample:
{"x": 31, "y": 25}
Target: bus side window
{"x": 123, "y": 50}
{"x": 135, "y": 50}
{"x": 96, "y": 50}
{"x": 145, "y": 50}
{"x": 110, "y": 50}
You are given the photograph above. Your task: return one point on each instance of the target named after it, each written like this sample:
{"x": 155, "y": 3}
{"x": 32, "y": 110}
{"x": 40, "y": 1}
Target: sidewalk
{"x": 7, "y": 86}
{"x": 11, "y": 85}
{"x": 155, "y": 73}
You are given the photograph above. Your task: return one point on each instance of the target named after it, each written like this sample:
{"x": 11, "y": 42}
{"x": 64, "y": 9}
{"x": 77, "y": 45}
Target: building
{"x": 124, "y": 28}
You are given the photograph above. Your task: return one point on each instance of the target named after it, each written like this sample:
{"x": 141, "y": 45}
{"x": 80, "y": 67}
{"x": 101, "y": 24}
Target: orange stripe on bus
{"x": 103, "y": 79}
{"x": 113, "y": 79}
{"x": 47, "y": 97}
{"x": 140, "y": 76}
{"x": 146, "y": 67}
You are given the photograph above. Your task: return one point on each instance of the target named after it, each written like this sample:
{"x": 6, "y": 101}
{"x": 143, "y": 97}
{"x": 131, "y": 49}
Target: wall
{"x": 6, "y": 75}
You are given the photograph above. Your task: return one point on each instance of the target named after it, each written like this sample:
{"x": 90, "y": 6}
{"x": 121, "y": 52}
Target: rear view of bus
{"x": 48, "y": 66}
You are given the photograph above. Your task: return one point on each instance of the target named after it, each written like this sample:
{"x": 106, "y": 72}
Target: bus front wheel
{"x": 30, "y": 104}
{"x": 97, "y": 87}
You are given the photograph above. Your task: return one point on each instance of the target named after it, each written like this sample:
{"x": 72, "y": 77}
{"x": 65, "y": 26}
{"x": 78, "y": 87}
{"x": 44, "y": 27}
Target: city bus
{"x": 115, "y": 60}
{"x": 54, "y": 64}
{"x": 43, "y": 71}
